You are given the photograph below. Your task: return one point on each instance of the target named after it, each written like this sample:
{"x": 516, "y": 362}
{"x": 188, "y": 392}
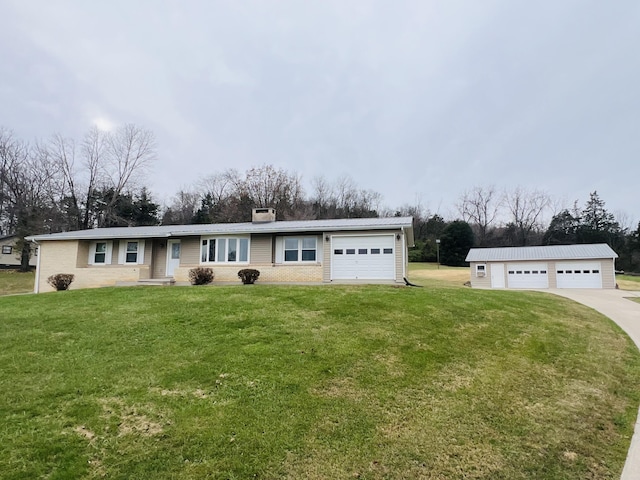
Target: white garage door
{"x": 578, "y": 275}
{"x": 363, "y": 257}
{"x": 527, "y": 275}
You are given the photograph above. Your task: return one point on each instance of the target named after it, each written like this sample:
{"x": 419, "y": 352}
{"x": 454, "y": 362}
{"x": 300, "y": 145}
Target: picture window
{"x": 224, "y": 250}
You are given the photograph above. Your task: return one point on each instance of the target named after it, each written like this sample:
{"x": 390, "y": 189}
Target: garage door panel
{"x": 579, "y": 275}
{"x": 527, "y": 275}
{"x": 363, "y": 257}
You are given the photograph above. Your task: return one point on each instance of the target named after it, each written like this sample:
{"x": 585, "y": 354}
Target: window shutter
{"x": 279, "y": 249}
{"x": 140, "y": 251}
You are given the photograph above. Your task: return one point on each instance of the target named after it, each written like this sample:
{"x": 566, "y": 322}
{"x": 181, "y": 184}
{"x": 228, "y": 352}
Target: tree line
{"x": 61, "y": 184}
{"x": 490, "y": 218}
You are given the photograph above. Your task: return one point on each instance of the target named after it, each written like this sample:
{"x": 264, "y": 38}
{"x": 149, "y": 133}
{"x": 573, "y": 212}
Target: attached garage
{"x": 363, "y": 257}
{"x": 552, "y": 266}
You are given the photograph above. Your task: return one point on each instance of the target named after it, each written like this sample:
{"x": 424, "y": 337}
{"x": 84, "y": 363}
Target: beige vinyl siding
{"x": 261, "y": 249}
{"x": 482, "y": 282}
{"x": 608, "y": 273}
{"x": 83, "y": 254}
{"x": 159, "y": 258}
{"x": 189, "y": 251}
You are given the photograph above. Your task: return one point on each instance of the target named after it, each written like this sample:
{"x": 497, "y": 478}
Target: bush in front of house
{"x": 201, "y": 276}
{"x": 248, "y": 275}
{"x": 61, "y": 281}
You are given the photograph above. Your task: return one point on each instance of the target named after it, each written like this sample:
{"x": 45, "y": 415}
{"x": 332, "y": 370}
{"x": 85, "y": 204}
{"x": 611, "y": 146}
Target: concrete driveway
{"x": 616, "y": 305}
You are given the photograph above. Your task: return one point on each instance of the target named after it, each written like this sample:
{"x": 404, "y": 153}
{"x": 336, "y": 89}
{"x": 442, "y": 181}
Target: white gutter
{"x": 36, "y": 287}
{"x": 404, "y": 253}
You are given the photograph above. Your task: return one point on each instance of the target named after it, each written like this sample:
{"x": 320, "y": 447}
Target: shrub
{"x": 61, "y": 281}
{"x": 201, "y": 276}
{"x": 248, "y": 275}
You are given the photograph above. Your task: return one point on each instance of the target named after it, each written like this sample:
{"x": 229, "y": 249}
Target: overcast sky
{"x": 416, "y": 100}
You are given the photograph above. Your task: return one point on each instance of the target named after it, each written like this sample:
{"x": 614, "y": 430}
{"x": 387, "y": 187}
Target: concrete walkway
{"x": 616, "y": 305}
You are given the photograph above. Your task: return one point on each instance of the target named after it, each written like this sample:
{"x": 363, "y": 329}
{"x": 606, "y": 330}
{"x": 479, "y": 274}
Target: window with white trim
{"x": 300, "y": 249}
{"x": 131, "y": 252}
{"x": 481, "y": 270}
{"x": 100, "y": 253}
{"x": 224, "y": 250}
{"x": 7, "y": 249}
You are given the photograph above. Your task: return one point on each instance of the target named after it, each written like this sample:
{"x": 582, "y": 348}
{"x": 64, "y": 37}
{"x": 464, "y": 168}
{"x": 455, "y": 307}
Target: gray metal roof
{"x": 295, "y": 226}
{"x": 549, "y": 252}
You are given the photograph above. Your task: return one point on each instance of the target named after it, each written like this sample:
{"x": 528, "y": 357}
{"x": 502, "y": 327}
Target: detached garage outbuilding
{"x": 554, "y": 266}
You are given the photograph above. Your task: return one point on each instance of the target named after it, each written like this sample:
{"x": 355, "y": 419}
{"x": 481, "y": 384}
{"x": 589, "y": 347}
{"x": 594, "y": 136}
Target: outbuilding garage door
{"x": 578, "y": 275}
{"x": 363, "y": 257}
{"x": 527, "y": 275}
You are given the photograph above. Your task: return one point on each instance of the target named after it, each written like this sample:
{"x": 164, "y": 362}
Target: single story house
{"x": 352, "y": 250}
{"x": 553, "y": 266}
{"x": 9, "y": 255}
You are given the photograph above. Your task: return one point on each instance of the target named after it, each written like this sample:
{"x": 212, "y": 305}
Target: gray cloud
{"x": 412, "y": 99}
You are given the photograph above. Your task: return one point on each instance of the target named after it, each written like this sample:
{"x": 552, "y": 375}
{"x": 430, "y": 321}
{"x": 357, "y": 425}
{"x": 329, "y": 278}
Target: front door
{"x": 173, "y": 256}
{"x": 497, "y": 275}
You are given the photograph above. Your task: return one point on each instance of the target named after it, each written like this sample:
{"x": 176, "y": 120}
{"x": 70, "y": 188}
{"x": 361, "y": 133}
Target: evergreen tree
{"x": 457, "y": 238}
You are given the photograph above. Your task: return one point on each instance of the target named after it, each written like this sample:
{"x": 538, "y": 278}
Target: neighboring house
{"x": 357, "y": 250}
{"x": 554, "y": 266}
{"x": 9, "y": 256}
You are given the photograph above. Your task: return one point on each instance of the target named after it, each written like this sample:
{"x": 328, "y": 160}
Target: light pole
{"x": 438, "y": 251}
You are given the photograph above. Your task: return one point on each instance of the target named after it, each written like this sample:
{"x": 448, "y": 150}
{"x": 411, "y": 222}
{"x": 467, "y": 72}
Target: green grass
{"x": 12, "y": 282}
{"x": 312, "y": 382}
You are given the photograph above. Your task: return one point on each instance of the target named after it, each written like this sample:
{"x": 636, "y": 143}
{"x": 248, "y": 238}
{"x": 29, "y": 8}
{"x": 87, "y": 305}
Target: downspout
{"x": 36, "y": 287}
{"x": 404, "y": 253}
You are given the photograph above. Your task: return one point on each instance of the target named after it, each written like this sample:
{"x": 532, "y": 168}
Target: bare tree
{"x": 527, "y": 208}
{"x": 27, "y": 192}
{"x": 480, "y": 207}
{"x": 110, "y": 164}
{"x": 343, "y": 199}
{"x": 182, "y": 209}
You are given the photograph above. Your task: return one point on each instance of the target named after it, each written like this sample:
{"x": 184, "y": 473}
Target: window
{"x": 224, "y": 250}
{"x": 511, "y": 272}
{"x": 130, "y": 252}
{"x": 387, "y": 250}
{"x": 560, "y": 271}
{"x": 362, "y": 251}
{"x": 595, "y": 271}
{"x": 544, "y": 272}
{"x": 535, "y": 272}
{"x": 527, "y": 272}
{"x": 7, "y": 249}
{"x": 337, "y": 251}
{"x": 351, "y": 251}
{"x": 100, "y": 253}
{"x": 481, "y": 270}
{"x": 375, "y": 251}
{"x": 301, "y": 249}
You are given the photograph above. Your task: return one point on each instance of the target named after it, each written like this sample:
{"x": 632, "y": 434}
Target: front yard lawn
{"x": 295, "y": 382}
{"x": 12, "y": 282}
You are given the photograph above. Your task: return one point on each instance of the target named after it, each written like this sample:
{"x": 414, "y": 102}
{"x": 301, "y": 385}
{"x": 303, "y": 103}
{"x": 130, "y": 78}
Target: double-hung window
{"x": 224, "y": 250}
{"x": 100, "y": 253}
{"x": 300, "y": 249}
{"x": 131, "y": 251}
